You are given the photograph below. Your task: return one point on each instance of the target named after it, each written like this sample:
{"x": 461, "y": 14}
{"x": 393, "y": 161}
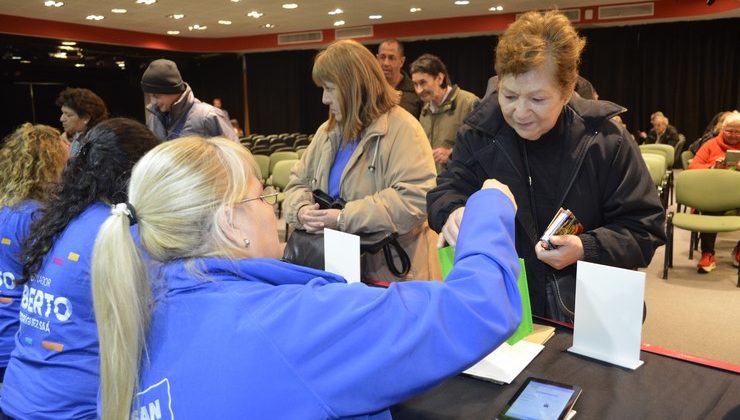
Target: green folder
{"x": 447, "y": 260}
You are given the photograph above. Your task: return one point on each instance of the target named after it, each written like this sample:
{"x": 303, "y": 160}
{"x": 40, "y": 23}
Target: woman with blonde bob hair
{"x": 374, "y": 156}
{"x": 553, "y": 149}
{"x": 31, "y": 160}
{"x": 266, "y": 338}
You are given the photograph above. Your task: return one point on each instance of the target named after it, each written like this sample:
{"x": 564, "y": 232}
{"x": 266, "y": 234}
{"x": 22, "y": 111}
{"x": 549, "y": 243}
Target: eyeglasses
{"x": 269, "y": 196}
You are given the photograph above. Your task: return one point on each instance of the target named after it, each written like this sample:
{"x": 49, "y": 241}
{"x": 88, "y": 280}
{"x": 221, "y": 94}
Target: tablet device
{"x": 540, "y": 399}
{"x": 732, "y": 157}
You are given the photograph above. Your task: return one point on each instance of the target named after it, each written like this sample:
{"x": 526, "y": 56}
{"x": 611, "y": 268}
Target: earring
{"x": 246, "y": 243}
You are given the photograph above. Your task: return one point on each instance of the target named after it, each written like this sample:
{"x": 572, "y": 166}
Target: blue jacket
{"x": 14, "y": 224}
{"x": 265, "y": 339}
{"x": 53, "y": 372}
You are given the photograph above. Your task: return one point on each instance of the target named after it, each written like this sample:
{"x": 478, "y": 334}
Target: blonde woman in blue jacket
{"x": 267, "y": 339}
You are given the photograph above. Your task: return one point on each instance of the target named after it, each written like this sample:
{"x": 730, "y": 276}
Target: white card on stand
{"x": 342, "y": 254}
{"x": 608, "y": 318}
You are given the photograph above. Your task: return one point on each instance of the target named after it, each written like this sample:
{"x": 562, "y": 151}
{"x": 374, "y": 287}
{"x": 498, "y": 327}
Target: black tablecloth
{"x": 662, "y": 388}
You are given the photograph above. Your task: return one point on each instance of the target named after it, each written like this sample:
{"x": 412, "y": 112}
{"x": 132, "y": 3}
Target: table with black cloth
{"x": 662, "y": 388}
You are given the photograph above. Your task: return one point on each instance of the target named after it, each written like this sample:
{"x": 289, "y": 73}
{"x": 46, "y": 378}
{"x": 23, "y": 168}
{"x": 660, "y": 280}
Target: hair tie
{"x": 125, "y": 209}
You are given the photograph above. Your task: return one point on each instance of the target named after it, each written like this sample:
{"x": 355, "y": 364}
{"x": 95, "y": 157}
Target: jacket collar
{"x": 405, "y": 85}
{"x": 377, "y": 128}
{"x": 199, "y": 272}
{"x": 179, "y": 108}
{"x": 449, "y": 104}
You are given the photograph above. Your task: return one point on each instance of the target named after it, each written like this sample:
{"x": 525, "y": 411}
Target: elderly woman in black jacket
{"x": 553, "y": 149}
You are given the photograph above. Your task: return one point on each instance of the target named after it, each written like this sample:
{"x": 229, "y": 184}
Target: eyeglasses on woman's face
{"x": 269, "y": 196}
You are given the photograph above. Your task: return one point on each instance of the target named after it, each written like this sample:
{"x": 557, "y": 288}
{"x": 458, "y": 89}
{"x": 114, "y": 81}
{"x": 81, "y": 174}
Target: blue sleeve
{"x": 370, "y": 348}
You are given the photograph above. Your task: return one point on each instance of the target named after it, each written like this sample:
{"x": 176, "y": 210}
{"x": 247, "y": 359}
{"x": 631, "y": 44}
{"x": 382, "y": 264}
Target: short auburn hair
{"x": 536, "y": 39}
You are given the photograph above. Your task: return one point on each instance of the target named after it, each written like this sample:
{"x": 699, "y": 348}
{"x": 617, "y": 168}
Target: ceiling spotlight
{"x": 462, "y": 2}
{"x": 176, "y": 16}
{"x": 15, "y": 57}
{"x": 147, "y": 2}
{"x": 415, "y": 9}
{"x": 339, "y": 23}
{"x": 499, "y": 8}
{"x": 26, "y": 61}
{"x": 52, "y": 3}
{"x": 118, "y": 10}
{"x": 235, "y": 1}
{"x": 336, "y": 12}
{"x": 173, "y": 32}
{"x": 68, "y": 48}
{"x": 290, "y": 6}
{"x": 197, "y": 27}
{"x": 496, "y": 8}
{"x": 59, "y": 54}
{"x": 80, "y": 65}
{"x": 69, "y": 43}
{"x": 375, "y": 17}
{"x": 95, "y": 17}
{"x": 255, "y": 14}
{"x": 224, "y": 22}
{"x": 268, "y": 26}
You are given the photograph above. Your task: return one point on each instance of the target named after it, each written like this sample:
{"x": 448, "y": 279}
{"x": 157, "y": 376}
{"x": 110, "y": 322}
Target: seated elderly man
{"x": 661, "y": 133}
{"x": 712, "y": 155}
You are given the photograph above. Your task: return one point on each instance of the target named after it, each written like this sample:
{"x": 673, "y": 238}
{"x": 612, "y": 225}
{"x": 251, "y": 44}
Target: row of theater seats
{"x": 659, "y": 159}
{"x": 707, "y": 199}
{"x": 260, "y": 144}
{"x": 707, "y": 202}
{"x": 275, "y": 170}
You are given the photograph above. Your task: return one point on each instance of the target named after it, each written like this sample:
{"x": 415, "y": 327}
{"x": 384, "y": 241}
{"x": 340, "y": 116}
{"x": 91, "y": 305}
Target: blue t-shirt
{"x": 14, "y": 224}
{"x": 337, "y": 168}
{"x": 53, "y": 371}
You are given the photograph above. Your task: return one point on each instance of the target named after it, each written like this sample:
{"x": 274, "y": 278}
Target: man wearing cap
{"x": 175, "y": 111}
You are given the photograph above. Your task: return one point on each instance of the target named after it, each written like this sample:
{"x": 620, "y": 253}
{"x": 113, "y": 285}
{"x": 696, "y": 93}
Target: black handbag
{"x": 307, "y": 249}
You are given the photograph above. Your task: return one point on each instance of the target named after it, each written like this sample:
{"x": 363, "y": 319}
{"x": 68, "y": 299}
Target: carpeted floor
{"x": 694, "y": 313}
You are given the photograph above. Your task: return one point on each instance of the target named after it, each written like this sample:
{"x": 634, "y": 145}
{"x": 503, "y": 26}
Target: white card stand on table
{"x": 342, "y": 254}
{"x": 608, "y": 318}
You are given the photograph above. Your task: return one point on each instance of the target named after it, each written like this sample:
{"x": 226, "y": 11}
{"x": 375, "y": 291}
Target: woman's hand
{"x": 495, "y": 184}
{"x": 452, "y": 227}
{"x": 569, "y": 250}
{"x": 316, "y": 220}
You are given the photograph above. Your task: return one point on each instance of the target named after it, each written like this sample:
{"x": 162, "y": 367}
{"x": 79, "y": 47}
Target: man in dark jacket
{"x": 662, "y": 132}
{"x": 611, "y": 193}
{"x": 391, "y": 59}
{"x": 174, "y": 111}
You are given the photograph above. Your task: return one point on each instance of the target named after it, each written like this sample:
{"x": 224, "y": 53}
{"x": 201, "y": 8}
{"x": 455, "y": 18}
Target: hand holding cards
{"x": 564, "y": 223}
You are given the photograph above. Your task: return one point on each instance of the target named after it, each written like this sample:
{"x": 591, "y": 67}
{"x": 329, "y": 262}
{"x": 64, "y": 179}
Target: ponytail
{"x": 122, "y": 302}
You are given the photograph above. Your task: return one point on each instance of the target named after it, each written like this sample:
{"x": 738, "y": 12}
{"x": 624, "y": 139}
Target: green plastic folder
{"x": 447, "y": 260}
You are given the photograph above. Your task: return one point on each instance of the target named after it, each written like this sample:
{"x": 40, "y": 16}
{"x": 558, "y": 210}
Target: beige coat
{"x": 384, "y": 183}
{"x": 442, "y": 124}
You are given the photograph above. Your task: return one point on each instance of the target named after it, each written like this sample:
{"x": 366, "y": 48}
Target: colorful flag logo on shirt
{"x": 6, "y": 241}
{"x": 73, "y": 256}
